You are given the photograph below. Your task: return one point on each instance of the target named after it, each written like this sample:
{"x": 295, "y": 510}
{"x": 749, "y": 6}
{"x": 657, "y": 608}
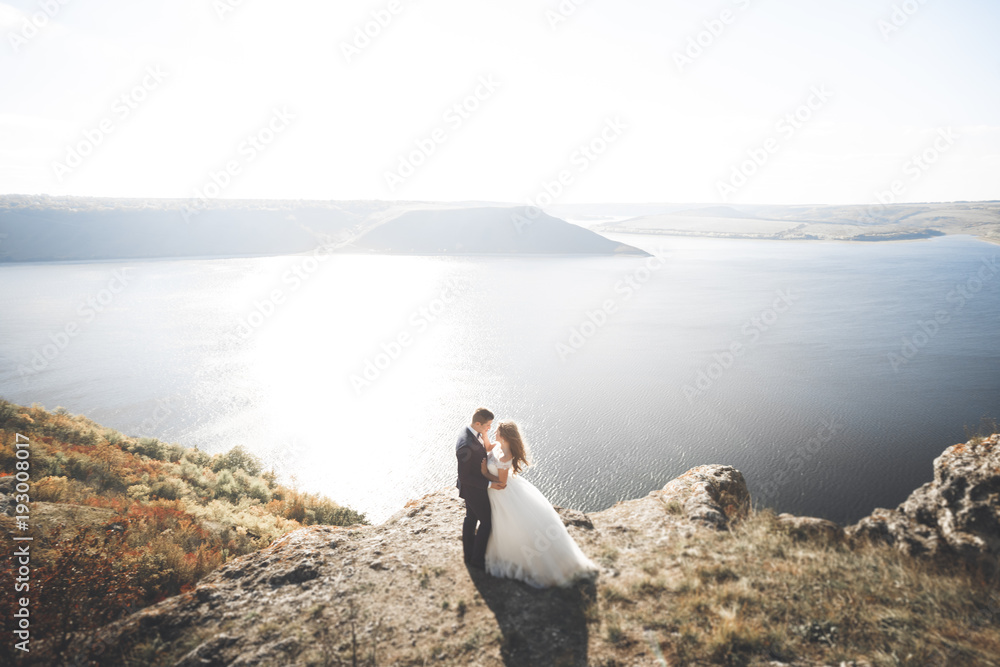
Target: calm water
{"x": 812, "y": 409}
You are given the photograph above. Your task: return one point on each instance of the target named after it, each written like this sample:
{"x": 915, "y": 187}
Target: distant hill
{"x": 483, "y": 230}
{"x": 40, "y": 228}
{"x": 36, "y": 228}
{"x": 714, "y": 212}
{"x": 862, "y": 223}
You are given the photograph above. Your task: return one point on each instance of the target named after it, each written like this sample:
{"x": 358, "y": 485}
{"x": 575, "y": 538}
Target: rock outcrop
{"x": 400, "y": 589}
{"x": 956, "y": 514}
{"x": 397, "y": 590}
{"x": 711, "y": 495}
{"x": 398, "y": 593}
{"x": 707, "y": 496}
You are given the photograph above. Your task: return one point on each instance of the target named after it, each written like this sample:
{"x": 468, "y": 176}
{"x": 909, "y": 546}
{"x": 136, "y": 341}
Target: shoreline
{"x": 723, "y": 236}
{"x": 671, "y": 233}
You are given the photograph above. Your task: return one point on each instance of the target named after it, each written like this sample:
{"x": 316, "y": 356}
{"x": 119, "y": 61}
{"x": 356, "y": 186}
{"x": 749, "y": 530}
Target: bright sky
{"x": 150, "y": 99}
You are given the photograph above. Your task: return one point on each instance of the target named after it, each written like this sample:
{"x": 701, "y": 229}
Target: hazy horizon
{"x": 495, "y": 202}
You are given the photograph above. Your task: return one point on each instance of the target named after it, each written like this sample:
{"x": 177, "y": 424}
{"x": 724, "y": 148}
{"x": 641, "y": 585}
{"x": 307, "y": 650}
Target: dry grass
{"x": 755, "y": 594}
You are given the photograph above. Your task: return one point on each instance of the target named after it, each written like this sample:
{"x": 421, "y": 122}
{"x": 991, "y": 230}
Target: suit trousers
{"x": 477, "y": 510}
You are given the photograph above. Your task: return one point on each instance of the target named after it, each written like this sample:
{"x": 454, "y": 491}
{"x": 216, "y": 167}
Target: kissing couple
{"x": 520, "y": 535}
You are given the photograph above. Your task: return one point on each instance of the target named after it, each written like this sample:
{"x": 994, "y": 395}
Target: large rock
{"x": 957, "y": 514}
{"x": 710, "y": 495}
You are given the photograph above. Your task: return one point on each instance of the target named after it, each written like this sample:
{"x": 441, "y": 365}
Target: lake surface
{"x": 774, "y": 357}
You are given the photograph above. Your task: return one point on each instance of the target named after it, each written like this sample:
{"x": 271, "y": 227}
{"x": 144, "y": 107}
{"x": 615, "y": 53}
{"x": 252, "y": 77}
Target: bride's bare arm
{"x": 487, "y": 475}
{"x": 502, "y": 471}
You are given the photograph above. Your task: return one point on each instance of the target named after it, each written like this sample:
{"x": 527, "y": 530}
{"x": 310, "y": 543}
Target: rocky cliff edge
{"x": 398, "y": 593}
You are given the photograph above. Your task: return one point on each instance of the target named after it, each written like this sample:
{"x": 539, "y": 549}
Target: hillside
{"x": 484, "y": 230}
{"x": 118, "y": 522}
{"x": 874, "y": 222}
{"x": 691, "y": 575}
{"x": 42, "y": 228}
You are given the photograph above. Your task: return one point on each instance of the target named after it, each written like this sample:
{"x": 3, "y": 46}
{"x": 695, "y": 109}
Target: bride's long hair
{"x": 518, "y": 451}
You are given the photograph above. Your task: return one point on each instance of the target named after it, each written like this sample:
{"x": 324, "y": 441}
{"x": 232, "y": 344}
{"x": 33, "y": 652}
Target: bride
{"x": 529, "y": 541}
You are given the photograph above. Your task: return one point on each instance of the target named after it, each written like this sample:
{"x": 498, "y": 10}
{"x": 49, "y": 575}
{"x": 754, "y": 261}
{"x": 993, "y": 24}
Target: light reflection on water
{"x": 610, "y": 421}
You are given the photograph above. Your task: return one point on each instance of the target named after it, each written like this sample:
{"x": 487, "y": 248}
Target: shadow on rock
{"x": 539, "y": 626}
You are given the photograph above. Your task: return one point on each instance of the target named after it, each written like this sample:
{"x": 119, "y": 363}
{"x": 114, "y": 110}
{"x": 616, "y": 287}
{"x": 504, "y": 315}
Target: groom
{"x": 472, "y": 485}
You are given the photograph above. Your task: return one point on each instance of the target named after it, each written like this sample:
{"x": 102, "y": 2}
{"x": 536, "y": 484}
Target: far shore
{"x": 752, "y": 237}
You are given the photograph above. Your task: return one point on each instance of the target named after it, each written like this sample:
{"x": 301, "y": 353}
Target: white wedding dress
{"x": 529, "y": 541}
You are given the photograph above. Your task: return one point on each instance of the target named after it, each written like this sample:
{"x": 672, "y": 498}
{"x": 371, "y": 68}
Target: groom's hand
{"x": 497, "y": 485}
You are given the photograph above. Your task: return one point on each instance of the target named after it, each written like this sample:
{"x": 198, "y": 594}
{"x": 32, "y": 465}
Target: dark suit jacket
{"x": 470, "y": 453}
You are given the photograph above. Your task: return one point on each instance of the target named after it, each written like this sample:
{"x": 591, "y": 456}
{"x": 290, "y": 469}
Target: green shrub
{"x": 258, "y": 489}
{"x": 237, "y": 458}
{"x": 139, "y": 492}
{"x": 150, "y": 447}
{"x": 173, "y": 452}
{"x": 196, "y": 456}
{"x": 226, "y": 486}
{"x": 171, "y": 489}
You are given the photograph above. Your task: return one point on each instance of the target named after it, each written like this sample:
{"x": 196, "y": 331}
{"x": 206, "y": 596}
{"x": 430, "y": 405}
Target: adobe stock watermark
{"x": 293, "y": 278}
{"x": 121, "y": 108}
{"x": 33, "y": 24}
{"x": 160, "y": 414}
{"x": 580, "y": 160}
{"x": 543, "y": 541}
{"x": 365, "y": 34}
{"x": 912, "y": 170}
{"x": 246, "y": 152}
{"x": 800, "y": 456}
{"x": 961, "y": 294}
{"x": 223, "y": 8}
{"x": 418, "y": 323}
{"x": 785, "y": 127}
{"x": 899, "y": 16}
{"x": 560, "y": 13}
{"x": 713, "y": 29}
{"x": 751, "y": 332}
{"x": 289, "y": 455}
{"x": 455, "y": 116}
{"x": 88, "y": 311}
{"x": 594, "y": 320}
